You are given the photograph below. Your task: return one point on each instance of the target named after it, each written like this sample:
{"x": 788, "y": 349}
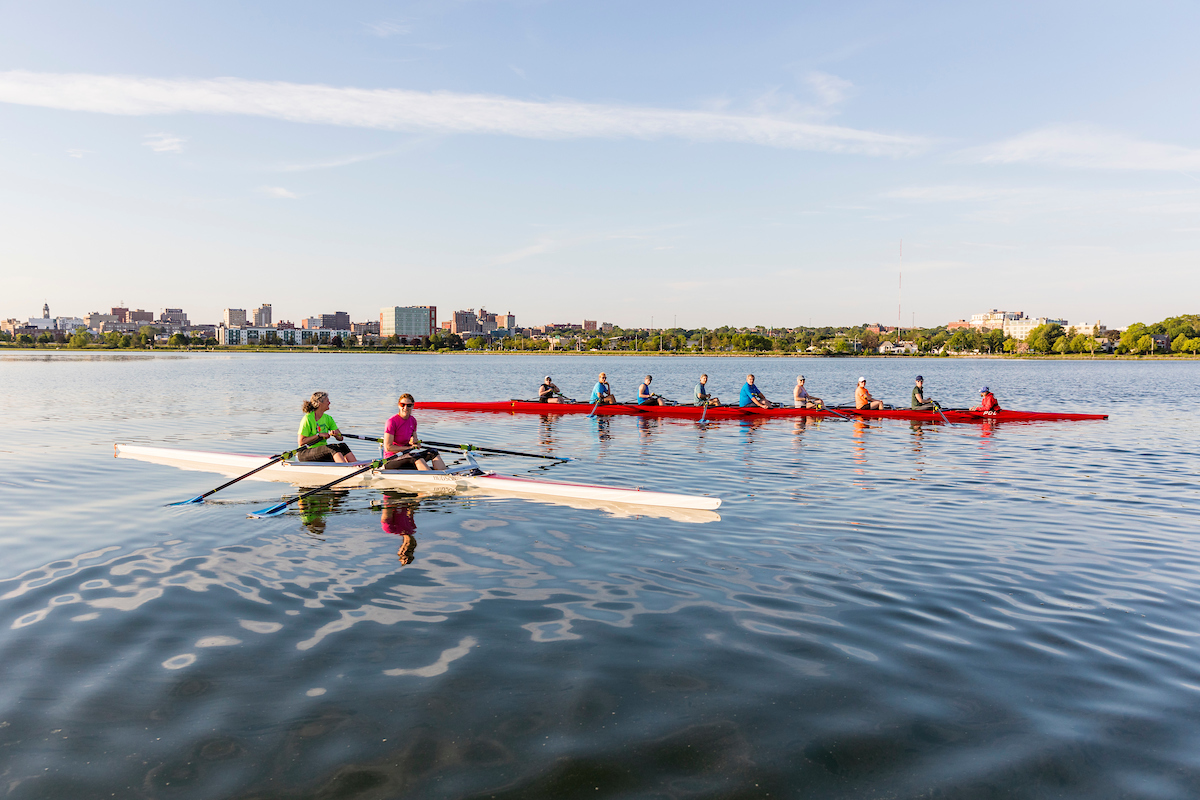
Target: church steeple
{"x": 45, "y": 311}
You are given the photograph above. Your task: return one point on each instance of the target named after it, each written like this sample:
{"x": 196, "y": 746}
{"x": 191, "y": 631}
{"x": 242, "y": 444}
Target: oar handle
{"x": 469, "y": 447}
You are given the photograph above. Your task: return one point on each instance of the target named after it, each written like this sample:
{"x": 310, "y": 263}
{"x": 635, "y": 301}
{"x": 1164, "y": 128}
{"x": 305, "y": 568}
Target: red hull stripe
{"x": 725, "y": 412}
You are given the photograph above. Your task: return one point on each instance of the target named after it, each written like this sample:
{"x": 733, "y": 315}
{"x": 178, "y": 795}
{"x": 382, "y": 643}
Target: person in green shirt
{"x": 919, "y": 401}
{"x": 315, "y": 428}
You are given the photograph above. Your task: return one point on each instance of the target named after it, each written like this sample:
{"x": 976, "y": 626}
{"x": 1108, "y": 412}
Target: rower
{"x": 751, "y": 395}
{"x": 318, "y": 426}
{"x": 919, "y": 401}
{"x": 802, "y": 398}
{"x": 645, "y": 396}
{"x": 987, "y": 402}
{"x": 703, "y": 398}
{"x": 863, "y": 400}
{"x": 601, "y": 394}
{"x": 401, "y": 444}
{"x": 548, "y": 392}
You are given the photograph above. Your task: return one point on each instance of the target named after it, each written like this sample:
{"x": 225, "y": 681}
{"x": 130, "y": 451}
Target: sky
{"x": 646, "y": 164}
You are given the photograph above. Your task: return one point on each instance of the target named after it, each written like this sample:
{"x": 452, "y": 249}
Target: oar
{"x": 592, "y": 413}
{"x": 279, "y": 508}
{"x": 938, "y": 409}
{"x": 274, "y": 460}
{"x": 469, "y": 447}
{"x": 831, "y": 411}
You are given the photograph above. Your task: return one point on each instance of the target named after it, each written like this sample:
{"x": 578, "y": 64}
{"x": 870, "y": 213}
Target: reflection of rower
{"x": 398, "y": 519}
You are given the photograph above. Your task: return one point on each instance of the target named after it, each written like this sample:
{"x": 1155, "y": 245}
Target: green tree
{"x": 81, "y": 338}
{"x": 1043, "y": 338}
{"x": 1011, "y": 345}
{"x": 840, "y": 345}
{"x": 1129, "y": 339}
{"x": 1180, "y": 344}
{"x": 112, "y": 339}
{"x": 24, "y": 338}
{"x": 476, "y": 343}
{"x": 594, "y": 343}
{"x": 995, "y": 340}
{"x": 126, "y": 341}
{"x": 5, "y": 336}
{"x": 45, "y": 338}
{"x": 179, "y": 340}
{"x": 1145, "y": 344}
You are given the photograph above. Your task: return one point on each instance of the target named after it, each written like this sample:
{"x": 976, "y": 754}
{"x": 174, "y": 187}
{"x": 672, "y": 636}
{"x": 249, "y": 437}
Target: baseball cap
{"x": 984, "y": 389}
{"x": 920, "y": 377}
{"x": 862, "y": 380}
{"x": 801, "y": 378}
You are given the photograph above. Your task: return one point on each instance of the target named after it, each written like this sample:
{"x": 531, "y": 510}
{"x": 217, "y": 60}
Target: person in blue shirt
{"x": 601, "y": 394}
{"x": 703, "y": 398}
{"x": 645, "y": 396}
{"x": 751, "y": 395}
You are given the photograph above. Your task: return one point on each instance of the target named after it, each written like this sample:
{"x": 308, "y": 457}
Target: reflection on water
{"x": 1008, "y": 611}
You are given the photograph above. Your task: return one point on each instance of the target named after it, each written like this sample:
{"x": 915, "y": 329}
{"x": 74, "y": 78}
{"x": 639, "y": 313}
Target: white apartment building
{"x": 994, "y": 319}
{"x": 1019, "y": 328}
{"x": 229, "y": 336}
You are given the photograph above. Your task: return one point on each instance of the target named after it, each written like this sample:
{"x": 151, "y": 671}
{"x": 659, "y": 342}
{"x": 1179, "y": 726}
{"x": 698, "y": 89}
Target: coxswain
{"x": 315, "y": 429}
{"x": 987, "y": 402}
{"x": 601, "y": 394}
{"x": 548, "y": 392}
{"x": 919, "y": 401}
{"x": 751, "y": 395}
{"x": 802, "y": 398}
{"x": 645, "y": 396}
{"x": 863, "y": 399}
{"x": 401, "y": 444}
{"x": 703, "y": 398}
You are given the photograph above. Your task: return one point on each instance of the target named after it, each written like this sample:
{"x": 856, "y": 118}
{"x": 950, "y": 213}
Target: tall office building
{"x": 338, "y": 320}
{"x": 235, "y": 318}
{"x": 262, "y": 316}
{"x": 408, "y": 321}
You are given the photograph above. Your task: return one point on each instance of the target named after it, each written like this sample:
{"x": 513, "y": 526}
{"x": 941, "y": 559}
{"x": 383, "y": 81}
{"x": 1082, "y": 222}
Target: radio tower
{"x": 900, "y": 294}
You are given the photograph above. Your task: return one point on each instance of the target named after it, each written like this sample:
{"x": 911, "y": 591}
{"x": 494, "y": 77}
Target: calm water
{"x": 895, "y": 611}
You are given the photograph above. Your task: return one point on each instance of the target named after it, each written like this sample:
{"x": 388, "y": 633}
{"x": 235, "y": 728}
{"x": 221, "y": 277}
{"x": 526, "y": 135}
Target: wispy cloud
{"x": 439, "y": 112}
{"x": 164, "y": 142}
{"x": 1085, "y": 148}
{"x": 77, "y": 153}
{"x": 278, "y": 192}
{"x": 388, "y": 28}
{"x": 342, "y": 161}
{"x": 830, "y": 89}
{"x": 537, "y": 248}
{"x": 520, "y": 72}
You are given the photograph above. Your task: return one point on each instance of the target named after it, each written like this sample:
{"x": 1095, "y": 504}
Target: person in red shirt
{"x": 987, "y": 401}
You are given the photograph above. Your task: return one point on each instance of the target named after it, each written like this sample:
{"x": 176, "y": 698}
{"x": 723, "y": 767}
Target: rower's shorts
{"x": 409, "y": 460}
{"x": 925, "y": 407}
{"x": 324, "y": 452}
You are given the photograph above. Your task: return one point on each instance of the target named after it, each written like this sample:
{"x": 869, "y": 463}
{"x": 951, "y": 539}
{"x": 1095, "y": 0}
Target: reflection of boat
{"x": 466, "y": 477}
{"x": 736, "y": 412}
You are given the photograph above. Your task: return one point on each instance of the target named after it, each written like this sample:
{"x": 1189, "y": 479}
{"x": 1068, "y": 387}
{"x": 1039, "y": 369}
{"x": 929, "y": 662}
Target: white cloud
{"x": 77, "y": 153}
{"x": 439, "y": 112}
{"x": 278, "y": 192}
{"x": 830, "y": 89}
{"x": 342, "y": 161}
{"x": 1085, "y": 148}
{"x": 164, "y": 142}
{"x": 387, "y": 29}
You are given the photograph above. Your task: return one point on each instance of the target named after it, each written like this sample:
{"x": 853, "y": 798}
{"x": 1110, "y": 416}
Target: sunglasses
{"x": 405, "y": 405}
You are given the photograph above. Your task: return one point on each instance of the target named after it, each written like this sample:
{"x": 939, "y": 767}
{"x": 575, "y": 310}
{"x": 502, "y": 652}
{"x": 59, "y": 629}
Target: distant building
{"x": 1089, "y": 328}
{"x": 1019, "y": 328}
{"x": 231, "y": 337}
{"x": 589, "y": 324}
{"x": 285, "y": 323}
{"x": 995, "y": 319}
{"x": 606, "y": 327}
{"x": 368, "y": 328}
{"x": 506, "y": 321}
{"x": 174, "y": 316}
{"x": 235, "y": 317}
{"x": 408, "y": 322}
{"x": 96, "y": 320}
{"x": 262, "y": 316}
{"x": 466, "y": 322}
{"x": 487, "y": 321}
{"x": 338, "y": 320}
{"x": 957, "y": 325}
{"x": 69, "y": 324}
{"x": 891, "y": 348}
{"x": 139, "y": 317}
{"x": 310, "y": 323}
{"x": 120, "y": 313}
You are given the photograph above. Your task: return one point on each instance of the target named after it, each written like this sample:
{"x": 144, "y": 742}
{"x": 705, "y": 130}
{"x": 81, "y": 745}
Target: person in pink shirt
{"x": 400, "y": 439}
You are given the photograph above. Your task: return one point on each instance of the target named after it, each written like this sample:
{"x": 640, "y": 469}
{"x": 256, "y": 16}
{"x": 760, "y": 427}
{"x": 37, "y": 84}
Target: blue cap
{"x": 920, "y": 377}
{"x": 984, "y": 390}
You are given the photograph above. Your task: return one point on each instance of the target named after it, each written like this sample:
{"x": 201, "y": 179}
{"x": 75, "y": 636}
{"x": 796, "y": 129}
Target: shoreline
{"x": 608, "y": 353}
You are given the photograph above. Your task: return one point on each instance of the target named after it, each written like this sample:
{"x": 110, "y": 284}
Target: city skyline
{"x": 699, "y": 162}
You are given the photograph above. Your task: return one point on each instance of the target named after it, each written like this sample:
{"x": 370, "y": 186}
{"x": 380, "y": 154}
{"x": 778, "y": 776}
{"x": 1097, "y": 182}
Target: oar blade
{"x": 271, "y": 511}
{"x": 197, "y": 499}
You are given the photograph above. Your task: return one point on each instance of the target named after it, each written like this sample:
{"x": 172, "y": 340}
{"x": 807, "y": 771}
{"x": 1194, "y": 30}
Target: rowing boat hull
{"x": 733, "y": 412}
{"x": 451, "y": 480}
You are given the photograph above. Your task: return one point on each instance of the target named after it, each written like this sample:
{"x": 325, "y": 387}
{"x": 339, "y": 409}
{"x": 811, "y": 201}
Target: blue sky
{"x": 749, "y": 163}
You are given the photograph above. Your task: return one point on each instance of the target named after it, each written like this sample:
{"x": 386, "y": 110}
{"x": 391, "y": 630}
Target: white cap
{"x": 862, "y": 380}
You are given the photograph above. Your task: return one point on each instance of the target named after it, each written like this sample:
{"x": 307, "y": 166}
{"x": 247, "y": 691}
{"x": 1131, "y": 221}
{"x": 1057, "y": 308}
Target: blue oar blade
{"x": 272, "y": 511}
{"x": 197, "y": 499}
